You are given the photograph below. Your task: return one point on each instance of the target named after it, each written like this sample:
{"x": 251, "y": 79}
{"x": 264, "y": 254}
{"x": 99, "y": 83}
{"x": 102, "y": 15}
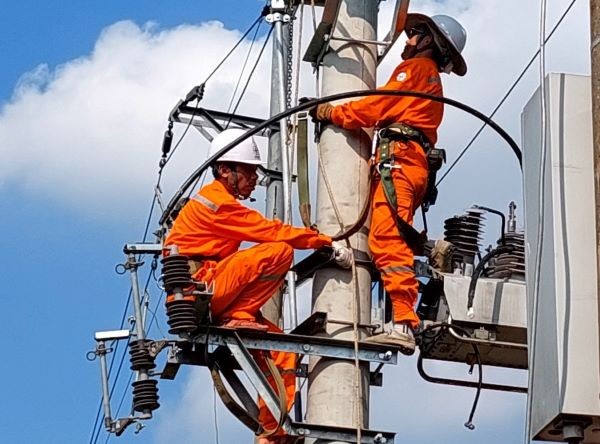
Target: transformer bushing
{"x": 145, "y": 395}
{"x": 510, "y": 265}
{"x": 464, "y": 232}
{"x": 181, "y": 311}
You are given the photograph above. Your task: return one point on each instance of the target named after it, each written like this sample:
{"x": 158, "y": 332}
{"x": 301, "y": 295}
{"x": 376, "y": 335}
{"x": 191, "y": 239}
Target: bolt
{"x": 301, "y": 432}
{"x": 306, "y": 347}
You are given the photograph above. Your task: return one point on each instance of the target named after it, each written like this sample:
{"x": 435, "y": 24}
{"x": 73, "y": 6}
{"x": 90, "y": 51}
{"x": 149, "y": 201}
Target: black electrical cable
{"x": 312, "y": 103}
{"x": 444, "y": 326}
{"x": 237, "y": 85}
{"x": 508, "y": 93}
{"x": 163, "y": 164}
{"x": 479, "y": 269}
{"x": 250, "y": 76}
{"x": 257, "y": 21}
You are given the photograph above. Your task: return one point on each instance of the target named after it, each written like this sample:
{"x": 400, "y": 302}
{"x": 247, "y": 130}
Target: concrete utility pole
{"x": 348, "y": 66}
{"x": 595, "y": 50}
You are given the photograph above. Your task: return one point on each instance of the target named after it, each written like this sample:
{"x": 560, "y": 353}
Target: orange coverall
{"x": 392, "y": 256}
{"x": 210, "y": 229}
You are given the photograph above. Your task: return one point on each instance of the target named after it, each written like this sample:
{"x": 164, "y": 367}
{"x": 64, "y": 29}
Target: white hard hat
{"x": 453, "y": 34}
{"x": 245, "y": 152}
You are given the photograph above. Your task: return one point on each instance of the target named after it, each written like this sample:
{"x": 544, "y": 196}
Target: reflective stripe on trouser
{"x": 393, "y": 258}
{"x": 286, "y": 364}
{"x": 246, "y": 280}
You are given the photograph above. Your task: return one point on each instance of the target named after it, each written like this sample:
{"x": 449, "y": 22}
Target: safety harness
{"x": 435, "y": 158}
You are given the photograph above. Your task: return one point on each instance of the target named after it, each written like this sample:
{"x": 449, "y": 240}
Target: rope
{"x": 357, "y": 410}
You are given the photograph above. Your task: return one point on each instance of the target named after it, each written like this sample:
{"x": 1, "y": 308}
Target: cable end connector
{"x": 470, "y": 425}
{"x": 470, "y": 313}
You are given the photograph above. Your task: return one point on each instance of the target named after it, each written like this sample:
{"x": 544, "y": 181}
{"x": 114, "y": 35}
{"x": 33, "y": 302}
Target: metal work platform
{"x": 231, "y": 351}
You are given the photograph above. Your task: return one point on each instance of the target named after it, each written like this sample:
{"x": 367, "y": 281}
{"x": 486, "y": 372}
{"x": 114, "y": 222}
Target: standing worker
{"x": 407, "y": 133}
{"x": 209, "y": 230}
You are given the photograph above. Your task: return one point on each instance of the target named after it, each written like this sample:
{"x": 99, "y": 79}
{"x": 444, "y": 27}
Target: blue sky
{"x": 83, "y": 104}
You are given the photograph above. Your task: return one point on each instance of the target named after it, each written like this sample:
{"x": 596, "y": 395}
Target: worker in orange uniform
{"x": 434, "y": 45}
{"x": 209, "y": 230}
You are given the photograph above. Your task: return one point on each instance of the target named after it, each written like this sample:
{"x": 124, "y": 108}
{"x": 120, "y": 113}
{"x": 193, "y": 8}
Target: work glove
{"x": 319, "y": 113}
{"x": 342, "y": 255}
{"x": 322, "y": 113}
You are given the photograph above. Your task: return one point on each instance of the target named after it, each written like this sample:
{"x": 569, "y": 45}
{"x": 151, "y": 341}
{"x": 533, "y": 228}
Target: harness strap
{"x": 414, "y": 239}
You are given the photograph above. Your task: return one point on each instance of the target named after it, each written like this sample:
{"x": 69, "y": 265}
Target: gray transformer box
{"x": 564, "y": 370}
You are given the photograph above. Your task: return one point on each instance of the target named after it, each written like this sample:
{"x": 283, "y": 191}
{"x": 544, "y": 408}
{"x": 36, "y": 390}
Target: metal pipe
{"x": 132, "y": 266}
{"x": 101, "y": 353}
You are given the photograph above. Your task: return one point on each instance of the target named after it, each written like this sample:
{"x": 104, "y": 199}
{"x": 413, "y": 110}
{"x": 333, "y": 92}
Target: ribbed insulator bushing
{"x": 464, "y": 232}
{"x": 139, "y": 356}
{"x": 176, "y": 272}
{"x": 510, "y": 265}
{"x": 181, "y": 316}
{"x": 145, "y": 395}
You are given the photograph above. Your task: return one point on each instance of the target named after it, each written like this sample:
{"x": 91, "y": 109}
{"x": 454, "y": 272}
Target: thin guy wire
{"x": 251, "y": 74}
{"x": 510, "y": 90}
{"x": 540, "y": 233}
{"x": 237, "y": 85}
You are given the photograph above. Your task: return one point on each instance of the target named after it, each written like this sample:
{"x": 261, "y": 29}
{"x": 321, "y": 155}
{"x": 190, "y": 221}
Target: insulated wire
{"x": 257, "y": 21}
{"x": 508, "y": 93}
{"x": 540, "y": 233}
{"x": 237, "y": 85}
{"x": 250, "y": 76}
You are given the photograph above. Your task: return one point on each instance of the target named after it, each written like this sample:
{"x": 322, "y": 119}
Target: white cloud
{"x": 87, "y": 134}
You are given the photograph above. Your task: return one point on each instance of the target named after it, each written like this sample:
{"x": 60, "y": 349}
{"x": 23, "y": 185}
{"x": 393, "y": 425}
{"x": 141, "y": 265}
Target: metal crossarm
{"x": 304, "y": 345}
{"x": 343, "y": 434}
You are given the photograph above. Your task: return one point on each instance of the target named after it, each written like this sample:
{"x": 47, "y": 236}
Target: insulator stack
{"x": 464, "y": 232}
{"x": 181, "y": 313}
{"x": 510, "y": 265}
{"x": 176, "y": 273}
{"x": 181, "y": 316}
{"x": 145, "y": 395}
{"x": 139, "y": 355}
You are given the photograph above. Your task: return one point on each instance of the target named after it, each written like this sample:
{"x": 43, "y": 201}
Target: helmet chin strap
{"x": 236, "y": 191}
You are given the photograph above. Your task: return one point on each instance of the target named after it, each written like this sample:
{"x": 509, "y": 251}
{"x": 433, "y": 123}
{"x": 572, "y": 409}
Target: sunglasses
{"x": 417, "y": 30}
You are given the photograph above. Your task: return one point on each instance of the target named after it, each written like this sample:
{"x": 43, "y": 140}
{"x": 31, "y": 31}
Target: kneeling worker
{"x": 211, "y": 227}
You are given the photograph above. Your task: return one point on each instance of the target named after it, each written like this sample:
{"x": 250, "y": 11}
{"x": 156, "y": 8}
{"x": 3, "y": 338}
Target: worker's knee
{"x": 279, "y": 252}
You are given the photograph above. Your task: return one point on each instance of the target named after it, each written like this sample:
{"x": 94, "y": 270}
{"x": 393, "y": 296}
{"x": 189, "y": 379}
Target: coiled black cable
{"x": 311, "y": 104}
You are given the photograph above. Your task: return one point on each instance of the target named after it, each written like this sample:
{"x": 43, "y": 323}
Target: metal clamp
{"x": 278, "y": 17}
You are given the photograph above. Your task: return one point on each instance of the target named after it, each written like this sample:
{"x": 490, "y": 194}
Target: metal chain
{"x": 289, "y": 62}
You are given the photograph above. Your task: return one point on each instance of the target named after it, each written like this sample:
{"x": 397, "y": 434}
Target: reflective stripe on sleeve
{"x": 397, "y": 269}
{"x": 206, "y": 202}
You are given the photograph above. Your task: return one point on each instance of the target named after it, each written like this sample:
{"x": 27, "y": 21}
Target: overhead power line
{"x": 510, "y": 90}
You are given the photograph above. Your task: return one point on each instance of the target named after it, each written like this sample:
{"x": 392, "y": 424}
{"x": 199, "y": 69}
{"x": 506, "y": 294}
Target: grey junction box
{"x": 564, "y": 373}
